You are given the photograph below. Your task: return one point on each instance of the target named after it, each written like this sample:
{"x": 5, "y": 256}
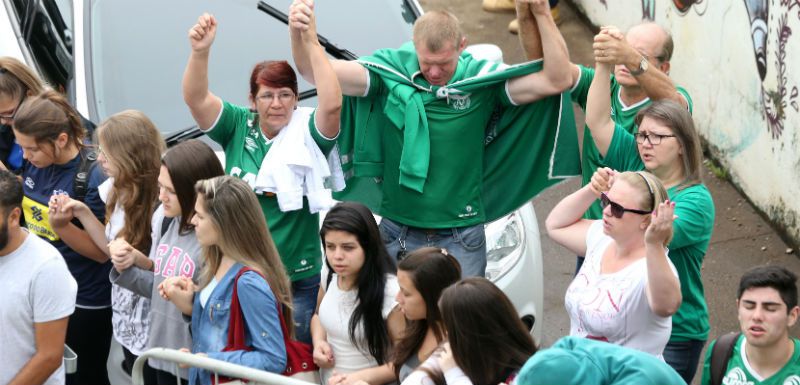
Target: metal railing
{"x": 70, "y": 360}
{"x": 218, "y": 367}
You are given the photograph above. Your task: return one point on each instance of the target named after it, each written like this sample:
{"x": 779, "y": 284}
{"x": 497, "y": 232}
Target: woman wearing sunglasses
{"x": 627, "y": 289}
{"x": 667, "y": 145}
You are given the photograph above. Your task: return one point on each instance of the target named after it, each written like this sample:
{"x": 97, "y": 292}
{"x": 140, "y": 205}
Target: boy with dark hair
{"x": 764, "y": 353}
{"x": 38, "y": 296}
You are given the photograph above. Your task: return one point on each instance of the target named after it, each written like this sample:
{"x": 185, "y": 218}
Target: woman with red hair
{"x": 260, "y": 140}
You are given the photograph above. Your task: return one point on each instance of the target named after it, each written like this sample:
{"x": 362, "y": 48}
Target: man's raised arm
{"x": 353, "y": 78}
{"x": 529, "y": 37}
{"x": 655, "y": 83}
{"x": 556, "y": 75}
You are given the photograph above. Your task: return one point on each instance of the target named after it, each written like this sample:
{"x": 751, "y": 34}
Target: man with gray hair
{"x": 641, "y": 75}
{"x": 414, "y": 132}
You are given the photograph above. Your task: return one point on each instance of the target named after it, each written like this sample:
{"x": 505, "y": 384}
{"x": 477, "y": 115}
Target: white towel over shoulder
{"x": 295, "y": 167}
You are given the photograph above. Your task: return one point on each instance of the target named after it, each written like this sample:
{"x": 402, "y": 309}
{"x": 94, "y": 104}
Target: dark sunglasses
{"x": 617, "y": 210}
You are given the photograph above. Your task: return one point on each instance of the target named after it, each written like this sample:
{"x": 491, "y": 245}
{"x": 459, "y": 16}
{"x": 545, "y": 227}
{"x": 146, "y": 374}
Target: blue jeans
{"x": 683, "y": 356}
{"x": 304, "y": 300}
{"x": 466, "y": 244}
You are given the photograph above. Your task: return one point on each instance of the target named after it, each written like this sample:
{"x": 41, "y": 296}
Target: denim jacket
{"x": 263, "y": 326}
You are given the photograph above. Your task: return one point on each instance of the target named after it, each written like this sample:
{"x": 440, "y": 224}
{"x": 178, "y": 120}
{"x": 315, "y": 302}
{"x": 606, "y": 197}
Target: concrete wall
{"x": 740, "y": 61}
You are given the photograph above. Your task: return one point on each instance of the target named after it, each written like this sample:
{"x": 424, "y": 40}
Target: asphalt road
{"x": 741, "y": 239}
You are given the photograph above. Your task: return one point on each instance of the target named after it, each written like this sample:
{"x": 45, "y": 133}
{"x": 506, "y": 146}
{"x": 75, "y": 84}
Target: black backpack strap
{"x": 80, "y": 184}
{"x": 721, "y": 354}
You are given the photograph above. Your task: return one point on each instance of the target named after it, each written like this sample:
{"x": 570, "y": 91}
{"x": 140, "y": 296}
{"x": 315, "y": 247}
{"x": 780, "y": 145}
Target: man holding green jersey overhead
{"x": 438, "y": 142}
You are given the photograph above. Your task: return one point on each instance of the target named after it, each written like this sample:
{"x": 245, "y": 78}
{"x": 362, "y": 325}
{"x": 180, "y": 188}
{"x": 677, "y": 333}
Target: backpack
{"x": 80, "y": 183}
{"x": 721, "y": 354}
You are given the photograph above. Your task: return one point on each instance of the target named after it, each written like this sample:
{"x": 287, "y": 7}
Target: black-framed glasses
{"x": 617, "y": 210}
{"x": 14, "y": 112}
{"x": 654, "y": 139}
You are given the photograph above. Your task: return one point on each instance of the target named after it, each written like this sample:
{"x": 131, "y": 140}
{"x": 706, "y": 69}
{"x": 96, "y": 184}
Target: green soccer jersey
{"x": 739, "y": 371}
{"x": 623, "y": 115}
{"x": 295, "y": 233}
{"x": 691, "y": 235}
{"x": 452, "y": 194}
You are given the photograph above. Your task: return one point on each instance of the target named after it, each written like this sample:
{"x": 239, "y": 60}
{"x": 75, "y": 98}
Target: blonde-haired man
{"x": 431, "y": 167}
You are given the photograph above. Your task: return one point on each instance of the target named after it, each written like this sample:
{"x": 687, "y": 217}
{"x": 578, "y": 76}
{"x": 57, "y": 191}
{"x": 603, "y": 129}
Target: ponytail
{"x": 46, "y": 116}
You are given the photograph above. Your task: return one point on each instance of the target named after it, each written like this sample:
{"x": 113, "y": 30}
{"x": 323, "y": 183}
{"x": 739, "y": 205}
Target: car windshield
{"x": 137, "y": 50}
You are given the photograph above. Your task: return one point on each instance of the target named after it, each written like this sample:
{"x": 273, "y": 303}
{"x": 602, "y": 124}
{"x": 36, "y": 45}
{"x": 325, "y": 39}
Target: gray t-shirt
{"x": 173, "y": 254}
{"x": 35, "y": 287}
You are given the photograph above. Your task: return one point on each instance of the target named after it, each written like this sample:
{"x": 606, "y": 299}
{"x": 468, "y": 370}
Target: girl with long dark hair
{"x": 422, "y": 276}
{"x": 175, "y": 251}
{"x": 357, "y": 318}
{"x": 487, "y": 341}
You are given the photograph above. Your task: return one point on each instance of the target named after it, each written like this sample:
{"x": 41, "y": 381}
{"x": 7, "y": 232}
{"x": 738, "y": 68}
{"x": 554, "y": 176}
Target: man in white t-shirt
{"x": 37, "y": 293}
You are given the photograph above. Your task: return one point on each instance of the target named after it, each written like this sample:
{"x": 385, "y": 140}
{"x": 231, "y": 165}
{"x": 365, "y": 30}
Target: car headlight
{"x": 505, "y": 240}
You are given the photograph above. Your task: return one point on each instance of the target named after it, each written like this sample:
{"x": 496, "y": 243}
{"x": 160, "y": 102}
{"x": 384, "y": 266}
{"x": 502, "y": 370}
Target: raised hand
{"x": 602, "y": 179}
{"x": 537, "y": 7}
{"x": 659, "y": 232}
{"x": 201, "y": 35}
{"x": 301, "y": 15}
{"x": 610, "y": 47}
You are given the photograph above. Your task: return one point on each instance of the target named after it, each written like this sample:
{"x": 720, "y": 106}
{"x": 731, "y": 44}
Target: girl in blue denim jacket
{"x": 233, "y": 233}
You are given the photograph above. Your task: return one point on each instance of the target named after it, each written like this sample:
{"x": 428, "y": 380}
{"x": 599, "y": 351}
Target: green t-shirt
{"x": 452, "y": 195}
{"x": 739, "y": 372}
{"x": 691, "y": 235}
{"x": 623, "y": 115}
{"x": 295, "y": 233}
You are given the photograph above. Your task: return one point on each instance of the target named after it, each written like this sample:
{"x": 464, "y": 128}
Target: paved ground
{"x": 741, "y": 239}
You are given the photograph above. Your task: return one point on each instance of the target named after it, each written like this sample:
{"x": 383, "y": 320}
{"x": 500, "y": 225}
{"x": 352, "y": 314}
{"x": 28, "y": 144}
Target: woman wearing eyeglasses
{"x": 627, "y": 288}
{"x": 275, "y": 146}
{"x": 17, "y": 82}
{"x": 667, "y": 145}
